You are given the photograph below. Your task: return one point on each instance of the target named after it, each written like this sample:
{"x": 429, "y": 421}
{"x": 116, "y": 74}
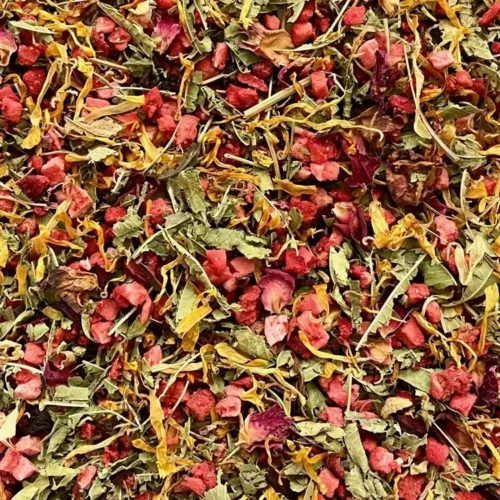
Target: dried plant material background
{"x": 249, "y": 250}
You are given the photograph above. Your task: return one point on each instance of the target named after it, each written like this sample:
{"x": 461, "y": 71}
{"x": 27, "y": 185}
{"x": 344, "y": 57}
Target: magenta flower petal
{"x": 277, "y": 290}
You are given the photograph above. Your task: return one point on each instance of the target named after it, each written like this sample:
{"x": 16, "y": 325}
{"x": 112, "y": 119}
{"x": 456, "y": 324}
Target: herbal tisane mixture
{"x": 249, "y": 250}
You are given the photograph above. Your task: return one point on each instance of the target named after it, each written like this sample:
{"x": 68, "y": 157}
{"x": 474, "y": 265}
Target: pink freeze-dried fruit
{"x": 332, "y": 415}
{"x": 367, "y": 53}
{"x": 29, "y": 446}
{"x": 329, "y": 481}
{"x": 276, "y": 328}
{"x": 436, "y": 452}
{"x": 354, "y": 16}
{"x": 16, "y": 464}
{"x": 200, "y": 403}
{"x": 328, "y": 171}
{"x": 411, "y": 334}
{"x": 441, "y": 59}
{"x": 228, "y": 407}
{"x": 382, "y": 460}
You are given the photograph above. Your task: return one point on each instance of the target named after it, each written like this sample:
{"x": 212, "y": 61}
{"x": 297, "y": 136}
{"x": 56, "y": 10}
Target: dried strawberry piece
{"x": 34, "y": 186}
{"x": 490, "y": 16}
{"x": 301, "y": 32}
{"x": 12, "y": 110}
{"x": 200, "y": 403}
{"x": 307, "y": 12}
{"x": 329, "y": 481}
{"x": 241, "y": 98}
{"x": 221, "y": 55}
{"x": 250, "y": 306}
{"x": 436, "y": 452}
{"x": 252, "y": 81}
{"x": 319, "y": 84}
{"x": 449, "y": 382}
{"x": 29, "y": 55}
{"x": 152, "y": 102}
{"x": 411, "y": 334}
{"x": 411, "y": 487}
{"x": 271, "y": 22}
{"x": 263, "y": 69}
{"x": 186, "y": 131}
{"x": 433, "y": 313}
{"x": 367, "y": 53}
{"x": 354, "y": 16}
{"x": 401, "y": 104}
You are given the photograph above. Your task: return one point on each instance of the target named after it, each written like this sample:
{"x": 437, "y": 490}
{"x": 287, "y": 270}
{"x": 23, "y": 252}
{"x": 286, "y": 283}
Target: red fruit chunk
{"x": 54, "y": 170}
{"x": 250, "y": 306}
{"x": 311, "y": 303}
{"x": 119, "y": 38}
{"x": 34, "y": 354}
{"x": 463, "y": 403}
{"x": 464, "y": 79}
{"x": 29, "y": 446}
{"x": 29, "y": 385}
{"x": 28, "y": 55}
{"x": 449, "y": 382}
{"x": 34, "y": 80}
{"x": 12, "y": 110}
{"x": 307, "y": 12}
{"x": 159, "y": 209}
{"x": 411, "y": 487}
{"x": 436, "y": 452}
{"x": 191, "y": 484}
{"x": 441, "y": 59}
{"x": 401, "y": 104}
{"x": 271, "y": 22}
{"x": 410, "y": 334}
{"x": 416, "y": 293}
{"x": 241, "y": 98}
{"x": 330, "y": 481}
{"x": 33, "y": 186}
{"x": 319, "y": 84}
{"x": 489, "y": 17}
{"x": 354, "y": 15}
{"x": 8, "y": 92}
{"x": 382, "y": 460}
{"x": 263, "y": 69}
{"x": 81, "y": 202}
{"x": 433, "y": 313}
{"x": 154, "y": 355}
{"x": 334, "y": 416}
{"x": 252, "y": 81}
{"x": 186, "y": 131}
{"x": 200, "y": 403}
{"x": 114, "y": 214}
{"x": 17, "y": 465}
{"x": 221, "y": 55}
{"x": 108, "y": 309}
{"x": 367, "y": 53}
{"x": 216, "y": 266}
{"x": 152, "y": 102}
{"x": 468, "y": 495}
{"x": 228, "y": 407}
{"x": 86, "y": 477}
{"x": 104, "y": 25}
{"x": 301, "y": 32}
{"x": 317, "y": 335}
{"x": 446, "y": 229}
{"x": 206, "y": 472}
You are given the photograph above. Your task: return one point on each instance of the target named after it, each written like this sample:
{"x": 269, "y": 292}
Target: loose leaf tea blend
{"x": 249, "y": 250}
